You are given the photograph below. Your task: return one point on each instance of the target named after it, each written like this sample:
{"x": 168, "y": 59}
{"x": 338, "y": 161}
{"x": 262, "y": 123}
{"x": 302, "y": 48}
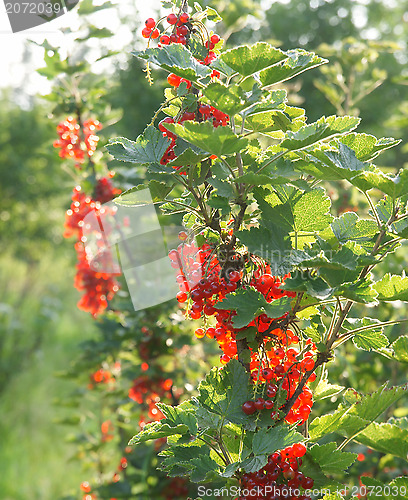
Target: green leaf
{"x": 268, "y": 121}
{"x": 203, "y": 469}
{"x": 333, "y": 496}
{"x": 264, "y": 243}
{"x": 386, "y": 438}
{"x": 253, "y": 464}
{"x": 392, "y": 287}
{"x": 231, "y": 469}
{"x": 189, "y": 460}
{"x": 349, "y": 227}
{"x": 310, "y": 212}
{"x": 313, "y": 286}
{"x": 367, "y": 147}
{"x": 359, "y": 415}
{"x": 217, "y": 141}
{"x": 222, "y": 187}
{"x": 372, "y": 338}
{"x": 325, "y": 390}
{"x": 331, "y": 460}
{"x": 249, "y": 60}
{"x": 326, "y": 424}
{"x": 267, "y": 441}
{"x": 317, "y": 131}
{"x": 176, "y": 59}
{"x": 225, "y": 390}
{"x": 393, "y": 186}
{"x": 298, "y": 61}
{"x": 400, "y": 349}
{"x": 361, "y": 291}
{"x": 249, "y": 303}
{"x": 332, "y": 165}
{"x": 373, "y": 405}
{"x": 188, "y": 158}
{"x": 229, "y": 99}
{"x": 157, "y": 430}
{"x": 296, "y": 211}
{"x": 183, "y": 414}
{"x": 148, "y": 148}
{"x": 133, "y": 198}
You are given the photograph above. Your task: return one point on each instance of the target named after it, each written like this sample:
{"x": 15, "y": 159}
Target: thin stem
{"x": 373, "y": 210}
{"x": 223, "y": 458}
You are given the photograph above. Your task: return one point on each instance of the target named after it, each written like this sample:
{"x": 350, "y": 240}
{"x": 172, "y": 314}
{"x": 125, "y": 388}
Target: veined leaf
{"x": 392, "y": 287}
{"x": 361, "y": 291}
{"x": 250, "y": 303}
{"x": 135, "y": 198}
{"x": 249, "y": 60}
{"x": 367, "y": 147}
{"x": 296, "y": 211}
{"x": 400, "y": 349}
{"x": 358, "y": 415}
{"x": 225, "y": 390}
{"x": 331, "y": 460}
{"x": 217, "y": 141}
{"x": 348, "y": 227}
{"x": 267, "y": 441}
{"x": 157, "y": 430}
{"x": 322, "y": 129}
{"x": 148, "y": 148}
{"x": 298, "y": 61}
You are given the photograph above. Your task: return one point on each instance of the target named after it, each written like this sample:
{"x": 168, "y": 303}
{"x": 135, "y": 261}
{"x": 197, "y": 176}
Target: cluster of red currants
{"x": 282, "y": 367}
{"x": 70, "y": 143}
{"x": 99, "y": 287}
{"x": 149, "y": 391}
{"x": 179, "y": 30}
{"x": 280, "y": 478}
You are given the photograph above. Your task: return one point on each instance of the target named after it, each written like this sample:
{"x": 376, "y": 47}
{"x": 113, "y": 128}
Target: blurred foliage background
{"x": 40, "y": 328}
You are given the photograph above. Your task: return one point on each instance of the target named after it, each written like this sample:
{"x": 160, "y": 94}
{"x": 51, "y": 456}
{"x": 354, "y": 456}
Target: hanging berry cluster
{"x": 98, "y": 287}
{"x": 281, "y": 475}
{"x": 72, "y": 145}
{"x": 277, "y": 364}
{"x": 183, "y": 29}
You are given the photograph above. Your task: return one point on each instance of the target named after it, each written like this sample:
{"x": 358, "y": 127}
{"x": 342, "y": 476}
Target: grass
{"x": 34, "y": 458}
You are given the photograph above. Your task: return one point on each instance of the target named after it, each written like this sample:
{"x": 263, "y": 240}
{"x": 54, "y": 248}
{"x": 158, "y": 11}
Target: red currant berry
{"x": 172, "y": 18}
{"x": 289, "y": 474}
{"x": 165, "y": 40}
{"x": 307, "y": 483}
{"x": 184, "y": 17}
{"x": 279, "y": 370}
{"x": 155, "y": 33}
{"x": 215, "y": 39}
{"x": 199, "y": 333}
{"x": 298, "y": 450}
{"x": 225, "y": 359}
{"x": 308, "y": 364}
{"x": 146, "y": 32}
{"x": 249, "y": 407}
{"x": 173, "y": 80}
{"x": 182, "y": 31}
{"x": 269, "y": 405}
{"x": 234, "y": 276}
{"x": 181, "y": 297}
{"x": 150, "y": 23}
{"x": 85, "y": 486}
{"x": 267, "y": 373}
{"x": 259, "y": 404}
